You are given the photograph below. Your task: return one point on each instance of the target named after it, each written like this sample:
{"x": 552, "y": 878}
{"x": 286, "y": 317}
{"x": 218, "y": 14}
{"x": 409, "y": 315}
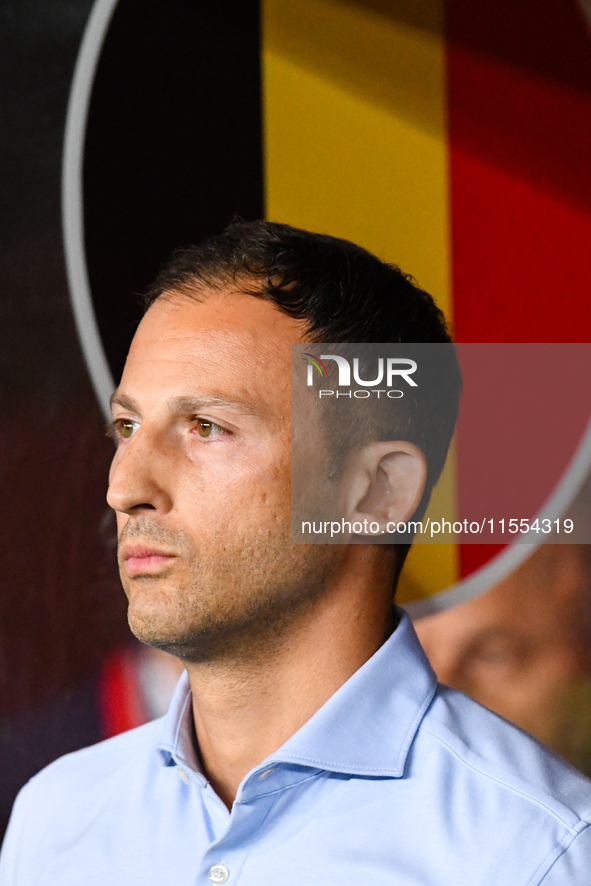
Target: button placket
{"x": 182, "y": 775}
{"x": 218, "y": 873}
{"x": 225, "y": 857}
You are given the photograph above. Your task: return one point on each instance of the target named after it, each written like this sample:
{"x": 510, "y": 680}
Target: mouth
{"x": 141, "y": 559}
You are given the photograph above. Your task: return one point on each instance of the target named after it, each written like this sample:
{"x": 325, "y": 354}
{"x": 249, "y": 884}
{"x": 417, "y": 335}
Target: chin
{"x": 198, "y": 638}
{"x": 157, "y": 621}
{"x": 152, "y": 617}
{"x": 189, "y": 647}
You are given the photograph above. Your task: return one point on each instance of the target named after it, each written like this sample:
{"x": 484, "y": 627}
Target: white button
{"x": 219, "y": 873}
{"x": 267, "y": 772}
{"x": 184, "y": 777}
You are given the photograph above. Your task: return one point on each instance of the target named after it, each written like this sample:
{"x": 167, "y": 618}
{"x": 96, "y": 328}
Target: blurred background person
{"x": 523, "y": 648}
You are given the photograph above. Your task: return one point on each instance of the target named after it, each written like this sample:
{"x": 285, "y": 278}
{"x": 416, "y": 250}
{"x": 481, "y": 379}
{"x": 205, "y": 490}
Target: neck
{"x": 246, "y": 709}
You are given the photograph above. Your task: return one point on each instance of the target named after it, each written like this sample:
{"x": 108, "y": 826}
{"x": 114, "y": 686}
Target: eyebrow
{"x": 120, "y": 399}
{"x": 197, "y": 404}
{"x": 183, "y": 405}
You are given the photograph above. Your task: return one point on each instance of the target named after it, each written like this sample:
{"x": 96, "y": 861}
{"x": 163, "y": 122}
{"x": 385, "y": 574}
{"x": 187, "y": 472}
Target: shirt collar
{"x": 176, "y": 739}
{"x": 366, "y": 728}
{"x": 368, "y": 725}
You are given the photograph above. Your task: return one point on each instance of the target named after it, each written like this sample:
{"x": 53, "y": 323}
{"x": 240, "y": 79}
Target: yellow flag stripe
{"x": 355, "y": 145}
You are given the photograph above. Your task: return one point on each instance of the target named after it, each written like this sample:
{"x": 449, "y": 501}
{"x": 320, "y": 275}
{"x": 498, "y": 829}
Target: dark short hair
{"x": 344, "y": 294}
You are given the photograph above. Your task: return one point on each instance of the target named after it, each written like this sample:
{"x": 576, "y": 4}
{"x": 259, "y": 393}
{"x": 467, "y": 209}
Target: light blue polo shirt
{"x": 393, "y": 781}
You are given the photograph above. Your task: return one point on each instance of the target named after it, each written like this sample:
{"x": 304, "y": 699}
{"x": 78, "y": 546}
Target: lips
{"x": 141, "y": 559}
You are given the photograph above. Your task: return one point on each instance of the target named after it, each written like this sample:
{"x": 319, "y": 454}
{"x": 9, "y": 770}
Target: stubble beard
{"x": 236, "y": 600}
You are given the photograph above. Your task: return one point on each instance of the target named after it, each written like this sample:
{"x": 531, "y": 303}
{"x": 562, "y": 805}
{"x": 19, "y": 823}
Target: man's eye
{"x": 127, "y": 428}
{"x": 208, "y": 428}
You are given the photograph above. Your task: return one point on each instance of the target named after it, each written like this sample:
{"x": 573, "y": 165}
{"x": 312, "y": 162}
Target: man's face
{"x": 201, "y": 478}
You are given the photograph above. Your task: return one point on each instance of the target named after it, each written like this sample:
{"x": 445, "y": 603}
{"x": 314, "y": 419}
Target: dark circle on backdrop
{"x": 173, "y": 147}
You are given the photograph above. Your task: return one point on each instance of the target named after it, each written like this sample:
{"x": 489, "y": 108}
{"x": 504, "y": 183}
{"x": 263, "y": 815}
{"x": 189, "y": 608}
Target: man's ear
{"x": 385, "y": 483}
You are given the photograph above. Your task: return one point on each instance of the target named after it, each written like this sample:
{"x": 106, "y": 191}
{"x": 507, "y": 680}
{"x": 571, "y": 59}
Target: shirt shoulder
{"x": 65, "y": 796}
{"x": 105, "y": 759}
{"x": 504, "y": 784}
{"x": 498, "y": 751}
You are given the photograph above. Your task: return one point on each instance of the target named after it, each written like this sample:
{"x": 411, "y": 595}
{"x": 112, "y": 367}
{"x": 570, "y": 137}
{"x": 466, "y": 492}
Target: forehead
{"x": 216, "y": 340}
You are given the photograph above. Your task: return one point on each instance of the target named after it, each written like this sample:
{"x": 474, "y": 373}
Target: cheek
{"x": 249, "y": 498}
{"x": 556, "y": 670}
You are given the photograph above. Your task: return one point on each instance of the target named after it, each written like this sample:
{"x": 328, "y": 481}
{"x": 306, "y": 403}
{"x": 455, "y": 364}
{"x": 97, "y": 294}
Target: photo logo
{"x": 387, "y": 371}
{"x": 312, "y": 362}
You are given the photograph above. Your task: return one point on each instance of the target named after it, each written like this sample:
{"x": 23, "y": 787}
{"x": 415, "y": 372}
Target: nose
{"x": 138, "y": 479}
